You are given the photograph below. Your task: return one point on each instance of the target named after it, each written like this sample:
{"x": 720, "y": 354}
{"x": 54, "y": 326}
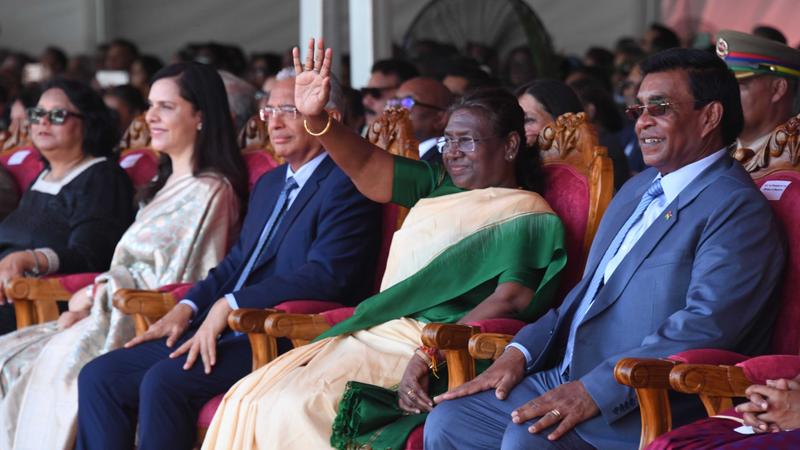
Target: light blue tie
{"x": 268, "y": 231}
{"x": 653, "y": 192}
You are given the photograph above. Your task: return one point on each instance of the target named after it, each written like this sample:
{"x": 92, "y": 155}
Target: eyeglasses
{"x": 267, "y": 112}
{"x": 56, "y": 116}
{"x": 408, "y": 102}
{"x": 654, "y": 109}
{"x": 463, "y": 144}
{"x": 376, "y": 92}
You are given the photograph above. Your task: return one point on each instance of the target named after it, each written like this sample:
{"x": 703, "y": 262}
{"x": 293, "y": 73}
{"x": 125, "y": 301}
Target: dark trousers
{"x": 143, "y": 384}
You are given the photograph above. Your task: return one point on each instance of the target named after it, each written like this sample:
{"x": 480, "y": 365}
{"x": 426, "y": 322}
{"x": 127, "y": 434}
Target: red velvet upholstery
{"x": 141, "y": 165}
{"x": 567, "y": 192}
{"x": 72, "y": 283}
{"x": 335, "y": 316}
{"x": 770, "y": 367}
{"x": 207, "y": 411}
{"x": 786, "y": 332}
{"x": 24, "y": 164}
{"x": 178, "y": 290}
{"x": 415, "y": 439}
{"x": 709, "y": 356}
{"x": 258, "y": 163}
{"x": 307, "y": 306}
{"x": 502, "y": 326}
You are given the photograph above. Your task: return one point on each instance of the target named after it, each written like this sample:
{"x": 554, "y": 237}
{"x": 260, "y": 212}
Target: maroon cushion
{"x": 24, "y": 164}
{"x": 709, "y": 356}
{"x": 141, "y": 165}
{"x": 567, "y": 192}
{"x": 178, "y": 290}
{"x": 208, "y": 410}
{"x": 786, "y": 334}
{"x": 258, "y": 163}
{"x": 335, "y": 316}
{"x": 415, "y": 439}
{"x": 72, "y": 283}
{"x": 770, "y": 367}
{"x": 503, "y": 326}
{"x": 307, "y": 306}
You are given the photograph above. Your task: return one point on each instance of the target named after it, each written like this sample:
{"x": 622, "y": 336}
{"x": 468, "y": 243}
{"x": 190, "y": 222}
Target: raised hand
{"x": 312, "y": 85}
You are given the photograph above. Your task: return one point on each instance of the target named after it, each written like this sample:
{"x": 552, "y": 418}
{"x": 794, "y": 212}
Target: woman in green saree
{"x": 479, "y": 242}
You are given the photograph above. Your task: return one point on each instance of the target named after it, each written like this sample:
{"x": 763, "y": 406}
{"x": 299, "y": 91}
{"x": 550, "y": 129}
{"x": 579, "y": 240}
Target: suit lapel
{"x": 655, "y": 233}
{"x": 299, "y": 203}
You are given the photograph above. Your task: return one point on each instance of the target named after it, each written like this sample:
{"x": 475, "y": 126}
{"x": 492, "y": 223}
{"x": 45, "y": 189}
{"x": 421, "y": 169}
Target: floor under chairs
{"x": 718, "y": 376}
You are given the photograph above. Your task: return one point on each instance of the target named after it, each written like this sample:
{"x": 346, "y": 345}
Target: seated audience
{"x": 385, "y": 77}
{"x": 143, "y": 69}
{"x": 189, "y": 218}
{"x": 772, "y": 412}
{"x": 483, "y": 202}
{"x": 72, "y": 216}
{"x": 127, "y": 102}
{"x": 9, "y": 197}
{"x": 542, "y": 101}
{"x": 426, "y": 100}
{"x": 308, "y": 234}
{"x": 464, "y": 74}
{"x": 687, "y": 255}
{"x": 612, "y": 128}
{"x": 659, "y": 38}
{"x": 241, "y": 99}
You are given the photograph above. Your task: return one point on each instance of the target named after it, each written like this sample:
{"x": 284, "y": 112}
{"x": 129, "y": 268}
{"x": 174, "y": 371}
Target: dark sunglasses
{"x": 55, "y": 116}
{"x": 654, "y": 109}
{"x": 408, "y": 102}
{"x": 376, "y": 92}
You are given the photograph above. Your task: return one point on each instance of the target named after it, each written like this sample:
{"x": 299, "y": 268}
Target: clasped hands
{"x": 772, "y": 407}
{"x": 566, "y": 405}
{"x": 202, "y": 344}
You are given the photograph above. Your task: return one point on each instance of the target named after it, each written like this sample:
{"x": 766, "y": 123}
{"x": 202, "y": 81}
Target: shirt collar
{"x": 305, "y": 171}
{"x": 674, "y": 182}
{"x": 426, "y": 145}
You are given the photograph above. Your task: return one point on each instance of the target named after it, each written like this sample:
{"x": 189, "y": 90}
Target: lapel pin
{"x": 668, "y": 215}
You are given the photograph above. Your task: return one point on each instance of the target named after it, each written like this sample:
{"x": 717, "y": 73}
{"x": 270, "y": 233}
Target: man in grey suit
{"x": 686, "y": 256}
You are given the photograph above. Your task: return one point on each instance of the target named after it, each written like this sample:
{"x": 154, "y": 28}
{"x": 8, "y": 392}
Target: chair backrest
{"x": 139, "y": 161}
{"x": 137, "y": 135}
{"x": 24, "y": 163}
{"x": 254, "y": 137}
{"x": 258, "y": 163}
{"x": 579, "y": 185}
{"x": 18, "y": 135}
{"x": 393, "y": 132}
{"x": 776, "y": 170}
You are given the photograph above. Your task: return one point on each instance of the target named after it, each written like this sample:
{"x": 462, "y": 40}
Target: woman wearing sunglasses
{"x": 189, "y": 216}
{"x": 479, "y": 242}
{"x": 71, "y": 217}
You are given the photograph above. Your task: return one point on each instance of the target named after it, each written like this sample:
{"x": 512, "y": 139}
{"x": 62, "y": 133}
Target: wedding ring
{"x": 410, "y": 393}
{"x": 556, "y": 413}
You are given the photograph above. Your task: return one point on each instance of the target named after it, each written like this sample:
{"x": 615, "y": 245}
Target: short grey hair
{"x": 336, "y": 100}
{"x": 241, "y": 98}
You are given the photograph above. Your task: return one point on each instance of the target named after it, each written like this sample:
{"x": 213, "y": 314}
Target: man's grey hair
{"x": 336, "y": 100}
{"x": 241, "y": 98}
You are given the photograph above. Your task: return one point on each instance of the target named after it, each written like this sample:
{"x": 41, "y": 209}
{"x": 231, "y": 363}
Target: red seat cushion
{"x": 307, "y": 306}
{"x": 178, "y": 290}
{"x": 786, "y": 334}
{"x": 208, "y": 411}
{"x": 258, "y": 163}
{"x": 503, "y": 326}
{"x": 141, "y": 165}
{"x": 335, "y": 316}
{"x": 72, "y": 283}
{"x": 24, "y": 164}
{"x": 567, "y": 192}
{"x": 770, "y": 367}
{"x": 415, "y": 439}
{"x": 708, "y": 356}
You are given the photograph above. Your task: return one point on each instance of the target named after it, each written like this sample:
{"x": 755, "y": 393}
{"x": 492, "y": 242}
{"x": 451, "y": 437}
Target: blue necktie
{"x": 268, "y": 231}
{"x": 653, "y": 192}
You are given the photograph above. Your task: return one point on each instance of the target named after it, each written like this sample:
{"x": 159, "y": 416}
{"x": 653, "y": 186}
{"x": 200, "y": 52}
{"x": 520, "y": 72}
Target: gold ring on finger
{"x": 556, "y": 413}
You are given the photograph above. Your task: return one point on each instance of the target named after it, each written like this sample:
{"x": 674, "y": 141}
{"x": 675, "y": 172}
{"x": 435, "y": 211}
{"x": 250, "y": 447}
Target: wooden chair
{"x": 17, "y": 135}
{"x": 716, "y": 375}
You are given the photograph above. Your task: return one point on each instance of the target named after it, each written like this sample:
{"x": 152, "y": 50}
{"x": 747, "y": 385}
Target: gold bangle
{"x": 324, "y": 130}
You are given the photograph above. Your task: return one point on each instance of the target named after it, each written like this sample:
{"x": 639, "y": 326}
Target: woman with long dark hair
{"x": 188, "y": 218}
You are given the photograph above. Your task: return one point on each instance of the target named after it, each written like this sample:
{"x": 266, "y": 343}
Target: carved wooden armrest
{"x": 299, "y": 328}
{"x": 716, "y": 385}
{"x": 35, "y": 299}
{"x": 251, "y": 321}
{"x": 146, "y": 307}
{"x": 453, "y": 341}
{"x": 650, "y": 378}
{"x": 488, "y": 345}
